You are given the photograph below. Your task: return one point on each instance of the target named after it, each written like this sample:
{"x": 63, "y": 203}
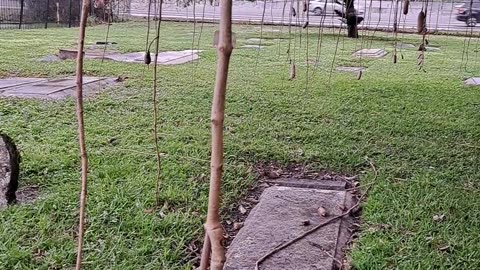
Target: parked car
{"x": 324, "y": 7}
{"x": 469, "y": 12}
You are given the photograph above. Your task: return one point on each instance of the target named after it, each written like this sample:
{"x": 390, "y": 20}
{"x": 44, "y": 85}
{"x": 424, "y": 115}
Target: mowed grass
{"x": 420, "y": 129}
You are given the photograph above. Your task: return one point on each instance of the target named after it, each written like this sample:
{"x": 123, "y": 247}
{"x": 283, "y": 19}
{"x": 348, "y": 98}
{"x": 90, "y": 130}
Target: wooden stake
{"x": 213, "y": 227}
{"x": 81, "y": 131}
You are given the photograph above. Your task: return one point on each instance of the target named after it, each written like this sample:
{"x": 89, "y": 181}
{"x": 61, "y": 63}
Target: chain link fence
{"x": 27, "y": 14}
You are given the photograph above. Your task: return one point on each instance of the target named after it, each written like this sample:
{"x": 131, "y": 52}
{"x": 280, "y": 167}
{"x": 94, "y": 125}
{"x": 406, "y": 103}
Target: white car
{"x": 323, "y": 7}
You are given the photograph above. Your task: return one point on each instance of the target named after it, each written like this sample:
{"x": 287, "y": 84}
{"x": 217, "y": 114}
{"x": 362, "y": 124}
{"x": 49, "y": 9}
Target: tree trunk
{"x": 213, "y": 227}
{"x": 81, "y": 131}
{"x": 351, "y": 19}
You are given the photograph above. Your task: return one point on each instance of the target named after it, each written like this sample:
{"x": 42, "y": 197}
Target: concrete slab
{"x": 351, "y": 69}
{"x": 250, "y": 46}
{"x": 432, "y": 49}
{"x": 308, "y": 183}
{"x": 405, "y": 46}
{"x": 279, "y": 217}
{"x": 370, "y": 53}
{"x": 475, "y": 81}
{"x": 17, "y": 81}
{"x": 51, "y": 88}
{"x": 164, "y": 58}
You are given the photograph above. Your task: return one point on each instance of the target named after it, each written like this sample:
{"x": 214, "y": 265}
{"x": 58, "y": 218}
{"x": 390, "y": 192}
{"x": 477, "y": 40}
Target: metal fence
{"x": 25, "y": 14}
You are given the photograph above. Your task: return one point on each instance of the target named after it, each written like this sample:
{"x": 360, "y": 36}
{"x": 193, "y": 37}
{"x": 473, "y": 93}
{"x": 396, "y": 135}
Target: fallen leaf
{"x": 439, "y": 218}
{"x": 113, "y": 141}
{"x": 351, "y": 178}
{"x": 237, "y": 225}
{"x": 306, "y": 223}
{"x": 228, "y": 222}
{"x": 121, "y": 79}
{"x": 322, "y": 211}
{"x": 273, "y": 174}
{"x": 251, "y": 200}
{"x": 264, "y": 185}
{"x": 242, "y": 209}
{"x": 148, "y": 211}
{"x": 429, "y": 239}
{"x": 445, "y": 248}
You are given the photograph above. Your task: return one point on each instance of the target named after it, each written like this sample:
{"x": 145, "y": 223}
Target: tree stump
{"x": 9, "y": 170}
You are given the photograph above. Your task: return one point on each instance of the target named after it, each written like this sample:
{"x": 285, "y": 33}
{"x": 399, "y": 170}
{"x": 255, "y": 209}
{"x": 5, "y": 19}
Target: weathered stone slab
{"x": 68, "y": 54}
{"x": 371, "y": 53}
{"x": 9, "y": 170}
{"x": 283, "y": 214}
{"x": 308, "y": 183}
{"x": 432, "y": 49}
{"x": 405, "y": 46}
{"x": 53, "y": 88}
{"x": 250, "y": 46}
{"x": 17, "y": 81}
{"x": 164, "y": 58}
{"x": 475, "y": 81}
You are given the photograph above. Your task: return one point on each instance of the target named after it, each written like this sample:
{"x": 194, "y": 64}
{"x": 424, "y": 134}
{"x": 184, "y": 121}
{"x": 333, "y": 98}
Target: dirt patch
{"x": 27, "y": 194}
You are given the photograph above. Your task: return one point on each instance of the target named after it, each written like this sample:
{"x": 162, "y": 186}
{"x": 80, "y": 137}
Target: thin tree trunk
{"x": 213, "y": 227}
{"x": 81, "y": 131}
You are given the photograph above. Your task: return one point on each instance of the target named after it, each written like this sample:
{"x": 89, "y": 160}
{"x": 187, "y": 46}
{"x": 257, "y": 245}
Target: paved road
{"x": 441, "y": 16}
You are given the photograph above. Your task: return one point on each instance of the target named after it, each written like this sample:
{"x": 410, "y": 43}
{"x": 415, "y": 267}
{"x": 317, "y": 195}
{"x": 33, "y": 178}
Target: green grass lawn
{"x": 421, "y": 129}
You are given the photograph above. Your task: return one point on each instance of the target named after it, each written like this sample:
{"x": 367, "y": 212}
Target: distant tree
{"x": 351, "y": 17}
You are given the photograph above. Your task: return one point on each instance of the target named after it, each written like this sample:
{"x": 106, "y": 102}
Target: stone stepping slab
{"x": 351, "y": 69}
{"x": 43, "y": 88}
{"x": 164, "y": 58}
{"x": 370, "y": 53}
{"x": 282, "y": 214}
{"x": 475, "y": 81}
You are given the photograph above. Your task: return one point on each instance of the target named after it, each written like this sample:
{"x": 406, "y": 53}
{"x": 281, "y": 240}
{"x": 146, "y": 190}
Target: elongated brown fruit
{"x": 406, "y": 5}
{"x": 294, "y": 13}
{"x": 292, "y": 72}
{"x": 359, "y": 75}
{"x": 395, "y": 59}
{"x": 421, "y": 22}
{"x": 305, "y": 5}
{"x": 147, "y": 59}
{"x": 305, "y": 25}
